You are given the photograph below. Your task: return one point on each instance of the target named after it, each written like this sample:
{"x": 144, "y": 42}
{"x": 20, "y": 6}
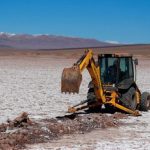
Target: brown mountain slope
{"x": 138, "y": 50}
{"x": 26, "y": 41}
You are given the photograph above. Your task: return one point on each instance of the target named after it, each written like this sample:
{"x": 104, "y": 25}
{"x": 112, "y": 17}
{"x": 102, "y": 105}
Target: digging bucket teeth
{"x": 71, "y": 80}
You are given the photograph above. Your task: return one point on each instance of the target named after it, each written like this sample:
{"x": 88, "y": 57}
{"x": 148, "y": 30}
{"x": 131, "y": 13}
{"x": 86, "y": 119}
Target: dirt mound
{"x": 15, "y": 134}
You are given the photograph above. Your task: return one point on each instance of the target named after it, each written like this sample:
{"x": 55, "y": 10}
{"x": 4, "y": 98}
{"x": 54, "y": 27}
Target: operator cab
{"x": 117, "y": 70}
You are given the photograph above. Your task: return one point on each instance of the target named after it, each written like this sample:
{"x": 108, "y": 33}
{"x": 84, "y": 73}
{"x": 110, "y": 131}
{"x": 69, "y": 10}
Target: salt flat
{"x": 32, "y": 84}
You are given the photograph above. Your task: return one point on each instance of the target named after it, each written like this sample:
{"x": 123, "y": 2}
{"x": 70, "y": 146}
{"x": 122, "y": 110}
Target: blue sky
{"x": 126, "y": 21}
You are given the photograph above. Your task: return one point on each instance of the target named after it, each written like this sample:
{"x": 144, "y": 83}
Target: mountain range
{"x": 43, "y": 41}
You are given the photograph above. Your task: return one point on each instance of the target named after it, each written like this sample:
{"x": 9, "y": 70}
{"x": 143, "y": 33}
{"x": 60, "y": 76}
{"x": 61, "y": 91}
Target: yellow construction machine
{"x": 113, "y": 83}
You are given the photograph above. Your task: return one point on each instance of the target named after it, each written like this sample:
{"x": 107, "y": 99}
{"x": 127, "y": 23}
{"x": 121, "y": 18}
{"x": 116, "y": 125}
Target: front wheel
{"x": 96, "y": 106}
{"x": 110, "y": 109}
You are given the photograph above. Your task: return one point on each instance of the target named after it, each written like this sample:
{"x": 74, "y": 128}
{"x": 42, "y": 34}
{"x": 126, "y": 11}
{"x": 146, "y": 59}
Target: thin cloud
{"x": 112, "y": 42}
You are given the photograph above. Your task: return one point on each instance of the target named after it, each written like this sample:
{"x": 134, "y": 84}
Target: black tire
{"x": 145, "y": 101}
{"x": 133, "y": 102}
{"x": 91, "y": 95}
{"x": 92, "y": 100}
{"x": 129, "y": 99}
{"x": 110, "y": 109}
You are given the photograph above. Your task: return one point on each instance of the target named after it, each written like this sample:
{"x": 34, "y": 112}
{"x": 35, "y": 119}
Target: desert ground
{"x": 30, "y": 82}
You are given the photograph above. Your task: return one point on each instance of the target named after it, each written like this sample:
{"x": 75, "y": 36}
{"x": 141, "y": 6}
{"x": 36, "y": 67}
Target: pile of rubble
{"x": 20, "y": 131}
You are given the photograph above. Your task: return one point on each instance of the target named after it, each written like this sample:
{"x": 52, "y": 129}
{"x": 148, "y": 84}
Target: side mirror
{"x": 136, "y": 61}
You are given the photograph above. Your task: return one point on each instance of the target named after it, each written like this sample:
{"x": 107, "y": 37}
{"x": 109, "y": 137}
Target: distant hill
{"x": 26, "y": 41}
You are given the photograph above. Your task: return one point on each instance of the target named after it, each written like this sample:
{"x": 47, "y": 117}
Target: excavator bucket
{"x": 71, "y": 80}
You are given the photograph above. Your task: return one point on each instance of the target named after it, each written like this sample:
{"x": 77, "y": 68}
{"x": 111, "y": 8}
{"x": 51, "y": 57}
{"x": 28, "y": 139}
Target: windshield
{"x": 125, "y": 69}
{"x": 109, "y": 70}
{"x": 115, "y": 69}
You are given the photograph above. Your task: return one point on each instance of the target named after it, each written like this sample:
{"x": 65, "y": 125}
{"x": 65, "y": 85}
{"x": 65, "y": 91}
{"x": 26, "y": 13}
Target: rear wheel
{"x": 133, "y": 101}
{"x": 95, "y": 105}
{"x": 145, "y": 101}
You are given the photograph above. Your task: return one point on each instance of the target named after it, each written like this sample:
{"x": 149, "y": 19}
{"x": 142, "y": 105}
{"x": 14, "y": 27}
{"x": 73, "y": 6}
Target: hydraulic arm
{"x": 72, "y": 77}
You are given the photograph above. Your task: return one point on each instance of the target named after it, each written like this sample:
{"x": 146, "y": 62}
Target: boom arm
{"x": 94, "y": 71}
{"x": 71, "y": 76}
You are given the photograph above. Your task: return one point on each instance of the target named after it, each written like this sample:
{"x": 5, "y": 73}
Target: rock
{"x": 3, "y": 127}
{"x": 21, "y": 120}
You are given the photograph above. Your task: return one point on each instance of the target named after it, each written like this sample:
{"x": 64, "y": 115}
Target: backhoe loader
{"x": 113, "y": 83}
